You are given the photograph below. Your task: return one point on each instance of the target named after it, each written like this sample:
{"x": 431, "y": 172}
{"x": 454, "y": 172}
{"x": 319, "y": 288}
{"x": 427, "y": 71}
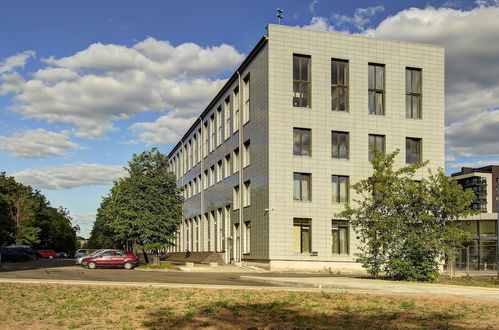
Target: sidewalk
{"x": 380, "y": 286}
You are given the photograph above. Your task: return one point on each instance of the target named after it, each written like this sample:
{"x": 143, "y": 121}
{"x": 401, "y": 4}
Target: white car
{"x": 79, "y": 259}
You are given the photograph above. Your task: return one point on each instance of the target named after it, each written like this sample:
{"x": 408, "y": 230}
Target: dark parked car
{"x": 32, "y": 253}
{"x": 12, "y": 255}
{"x": 111, "y": 258}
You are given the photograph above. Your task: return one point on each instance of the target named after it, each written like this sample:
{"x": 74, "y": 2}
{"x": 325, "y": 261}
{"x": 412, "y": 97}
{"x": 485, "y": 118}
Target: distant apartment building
{"x": 270, "y": 161}
{"x": 483, "y": 253}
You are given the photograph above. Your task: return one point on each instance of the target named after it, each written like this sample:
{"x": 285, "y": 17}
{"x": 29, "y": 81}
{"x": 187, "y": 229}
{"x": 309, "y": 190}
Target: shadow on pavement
{"x": 35, "y": 264}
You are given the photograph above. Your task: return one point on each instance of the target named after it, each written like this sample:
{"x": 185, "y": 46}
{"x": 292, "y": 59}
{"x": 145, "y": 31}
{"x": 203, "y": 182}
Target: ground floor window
{"x": 302, "y": 235}
{"x": 247, "y": 237}
{"x": 339, "y": 235}
{"x": 482, "y": 253}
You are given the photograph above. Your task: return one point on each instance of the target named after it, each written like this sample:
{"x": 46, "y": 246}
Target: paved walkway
{"x": 380, "y": 286}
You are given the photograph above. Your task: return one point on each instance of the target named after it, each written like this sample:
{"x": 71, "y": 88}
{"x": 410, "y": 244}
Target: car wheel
{"x": 127, "y": 265}
{"x": 92, "y": 265}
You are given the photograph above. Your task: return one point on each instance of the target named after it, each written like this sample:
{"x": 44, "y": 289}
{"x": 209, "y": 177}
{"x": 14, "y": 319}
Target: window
{"x": 190, "y": 148}
{"x": 340, "y": 187}
{"x": 246, "y": 153}
{"x": 236, "y": 110}
{"x": 378, "y": 141}
{"x": 301, "y": 81}
{"x": 376, "y": 87}
{"x": 219, "y": 126}
{"x": 211, "y": 180}
{"x": 199, "y": 141}
{"x": 228, "y": 170}
{"x": 339, "y": 144}
{"x": 246, "y": 113}
{"x": 206, "y": 138}
{"x": 302, "y": 238}
{"x": 205, "y": 182}
{"x": 302, "y": 141}
{"x": 339, "y": 235}
{"x": 339, "y": 85}
{"x": 227, "y": 111}
{"x": 413, "y": 93}
{"x": 235, "y": 165}
{"x": 212, "y": 133}
{"x": 247, "y": 237}
{"x": 195, "y": 151}
{"x": 219, "y": 171}
{"x": 302, "y": 186}
{"x": 246, "y": 194}
{"x": 220, "y": 231}
{"x": 236, "y": 198}
{"x": 412, "y": 150}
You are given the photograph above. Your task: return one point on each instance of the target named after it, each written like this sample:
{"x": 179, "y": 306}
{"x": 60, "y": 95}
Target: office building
{"x": 270, "y": 161}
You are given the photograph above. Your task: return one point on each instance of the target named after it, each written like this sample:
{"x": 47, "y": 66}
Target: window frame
{"x": 410, "y": 146}
{"x": 309, "y": 185}
{"x": 341, "y": 224}
{"x": 338, "y": 146}
{"x": 338, "y": 192}
{"x": 303, "y": 223}
{"x": 375, "y": 136}
{"x": 336, "y": 85}
{"x": 409, "y": 92}
{"x": 301, "y": 130}
{"x": 375, "y": 90}
{"x": 298, "y": 101}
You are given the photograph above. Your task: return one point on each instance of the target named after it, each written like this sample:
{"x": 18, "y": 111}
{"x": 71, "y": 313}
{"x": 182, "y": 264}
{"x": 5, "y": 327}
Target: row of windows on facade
{"x": 217, "y": 229}
{"x": 340, "y": 144}
{"x": 219, "y": 126}
{"x": 216, "y": 238}
{"x": 302, "y": 187}
{"x": 302, "y": 86}
{"x": 217, "y": 172}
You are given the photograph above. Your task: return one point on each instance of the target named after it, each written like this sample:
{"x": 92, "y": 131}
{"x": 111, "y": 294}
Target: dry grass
{"x": 470, "y": 281}
{"x": 32, "y": 306}
{"x": 163, "y": 265}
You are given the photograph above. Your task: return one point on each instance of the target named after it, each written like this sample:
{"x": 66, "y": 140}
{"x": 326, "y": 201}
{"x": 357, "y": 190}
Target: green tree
{"x": 143, "y": 208}
{"x": 406, "y": 226}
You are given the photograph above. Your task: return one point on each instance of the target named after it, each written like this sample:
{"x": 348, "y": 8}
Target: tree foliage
{"x": 143, "y": 208}
{"x": 405, "y": 226}
{"x": 26, "y": 217}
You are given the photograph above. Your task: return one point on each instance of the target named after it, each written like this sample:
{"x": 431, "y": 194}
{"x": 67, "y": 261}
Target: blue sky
{"x": 83, "y": 85}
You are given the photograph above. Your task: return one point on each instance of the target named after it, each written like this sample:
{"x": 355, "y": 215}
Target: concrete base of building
{"x": 333, "y": 267}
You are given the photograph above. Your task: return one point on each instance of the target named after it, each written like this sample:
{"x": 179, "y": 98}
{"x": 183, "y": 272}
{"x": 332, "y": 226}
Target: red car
{"x": 47, "y": 253}
{"x": 111, "y": 258}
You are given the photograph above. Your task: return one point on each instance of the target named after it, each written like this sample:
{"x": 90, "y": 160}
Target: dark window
{"x": 376, "y": 86}
{"x": 339, "y": 235}
{"x": 302, "y": 186}
{"x": 413, "y": 93}
{"x": 339, "y": 144}
{"x": 302, "y": 236}
{"x": 412, "y": 150}
{"x": 339, "y": 85}
{"x": 302, "y": 141}
{"x": 377, "y": 141}
{"x": 340, "y": 186}
{"x": 301, "y": 81}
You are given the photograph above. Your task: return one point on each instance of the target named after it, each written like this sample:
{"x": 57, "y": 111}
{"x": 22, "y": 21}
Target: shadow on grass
{"x": 224, "y": 314}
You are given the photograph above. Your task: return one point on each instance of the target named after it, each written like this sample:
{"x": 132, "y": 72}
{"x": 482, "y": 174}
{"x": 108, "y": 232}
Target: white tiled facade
{"x": 270, "y": 238}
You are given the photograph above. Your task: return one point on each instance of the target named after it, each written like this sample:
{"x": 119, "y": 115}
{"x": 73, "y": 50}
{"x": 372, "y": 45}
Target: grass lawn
{"x": 95, "y": 307}
{"x": 163, "y": 265}
{"x": 469, "y": 281}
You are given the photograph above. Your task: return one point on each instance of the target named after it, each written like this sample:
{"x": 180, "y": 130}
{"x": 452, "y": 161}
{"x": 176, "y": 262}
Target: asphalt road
{"x": 65, "y": 269}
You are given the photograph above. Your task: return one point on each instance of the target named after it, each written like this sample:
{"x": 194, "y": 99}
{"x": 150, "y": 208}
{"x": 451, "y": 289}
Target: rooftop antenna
{"x": 279, "y": 15}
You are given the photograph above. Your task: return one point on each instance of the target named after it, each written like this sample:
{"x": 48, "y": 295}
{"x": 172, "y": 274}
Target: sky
{"x": 85, "y": 84}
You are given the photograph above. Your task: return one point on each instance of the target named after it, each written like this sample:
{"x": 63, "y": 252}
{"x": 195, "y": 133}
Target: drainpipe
{"x": 202, "y": 183}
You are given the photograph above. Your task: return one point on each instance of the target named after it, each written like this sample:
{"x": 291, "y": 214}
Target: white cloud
{"x": 17, "y": 61}
{"x": 311, "y": 6}
{"x": 319, "y": 24}
{"x": 69, "y": 175}
{"x": 166, "y": 129}
{"x": 475, "y": 164}
{"x": 103, "y": 83}
{"x": 38, "y": 143}
{"x": 361, "y": 18}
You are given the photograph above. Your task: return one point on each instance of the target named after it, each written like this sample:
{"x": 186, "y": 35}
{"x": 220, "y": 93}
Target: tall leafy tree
{"x": 145, "y": 207}
{"x": 406, "y": 226}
